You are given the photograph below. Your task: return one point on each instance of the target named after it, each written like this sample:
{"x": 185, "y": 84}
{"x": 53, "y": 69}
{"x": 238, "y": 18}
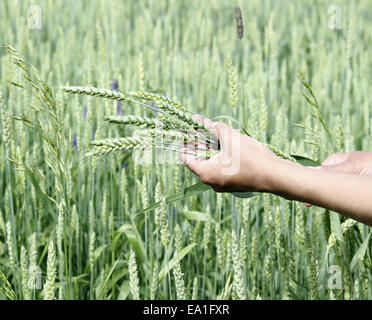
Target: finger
{"x": 223, "y": 132}
{"x": 191, "y": 162}
{"x": 196, "y": 147}
{"x": 335, "y": 163}
{"x": 207, "y": 122}
{"x": 342, "y": 167}
{"x": 198, "y": 117}
{"x": 204, "y": 169}
{"x": 335, "y": 159}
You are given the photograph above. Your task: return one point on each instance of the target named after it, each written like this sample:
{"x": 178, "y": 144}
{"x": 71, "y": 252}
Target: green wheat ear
{"x": 232, "y": 83}
{"x": 109, "y": 145}
{"x": 171, "y": 108}
{"x": 314, "y": 102}
{"x": 133, "y": 120}
{"x": 91, "y": 91}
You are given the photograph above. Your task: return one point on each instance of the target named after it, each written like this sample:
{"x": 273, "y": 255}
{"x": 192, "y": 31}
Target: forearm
{"x": 350, "y": 195}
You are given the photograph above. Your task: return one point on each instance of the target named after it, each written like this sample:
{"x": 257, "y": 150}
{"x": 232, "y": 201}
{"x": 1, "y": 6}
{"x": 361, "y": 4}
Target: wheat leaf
{"x": 359, "y": 255}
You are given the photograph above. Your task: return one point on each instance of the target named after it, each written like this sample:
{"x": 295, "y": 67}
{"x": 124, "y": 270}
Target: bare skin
{"x": 343, "y": 183}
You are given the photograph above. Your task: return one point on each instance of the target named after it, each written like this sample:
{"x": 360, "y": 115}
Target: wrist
{"x": 276, "y": 175}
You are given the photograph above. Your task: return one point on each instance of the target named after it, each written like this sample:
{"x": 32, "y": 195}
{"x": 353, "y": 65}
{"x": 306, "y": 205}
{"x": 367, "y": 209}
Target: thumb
{"x": 336, "y": 163}
{"x": 223, "y": 132}
{"x": 343, "y": 167}
{"x": 191, "y": 162}
{"x": 335, "y": 159}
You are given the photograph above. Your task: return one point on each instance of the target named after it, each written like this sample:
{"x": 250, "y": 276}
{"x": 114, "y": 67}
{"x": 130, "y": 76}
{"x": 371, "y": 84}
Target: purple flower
{"x": 85, "y": 113}
{"x": 114, "y": 84}
{"x": 93, "y": 134}
{"x": 74, "y": 142}
{"x": 115, "y": 87}
{"x": 125, "y": 164}
{"x": 118, "y": 108}
{"x": 154, "y": 106}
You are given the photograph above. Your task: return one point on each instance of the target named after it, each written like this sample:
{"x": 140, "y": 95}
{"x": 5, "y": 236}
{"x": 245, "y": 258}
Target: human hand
{"x": 243, "y": 164}
{"x": 356, "y": 163}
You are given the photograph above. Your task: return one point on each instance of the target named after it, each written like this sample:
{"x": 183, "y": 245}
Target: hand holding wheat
{"x": 243, "y": 164}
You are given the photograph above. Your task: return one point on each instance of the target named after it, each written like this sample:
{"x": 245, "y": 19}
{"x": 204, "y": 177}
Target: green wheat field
{"x": 73, "y": 226}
